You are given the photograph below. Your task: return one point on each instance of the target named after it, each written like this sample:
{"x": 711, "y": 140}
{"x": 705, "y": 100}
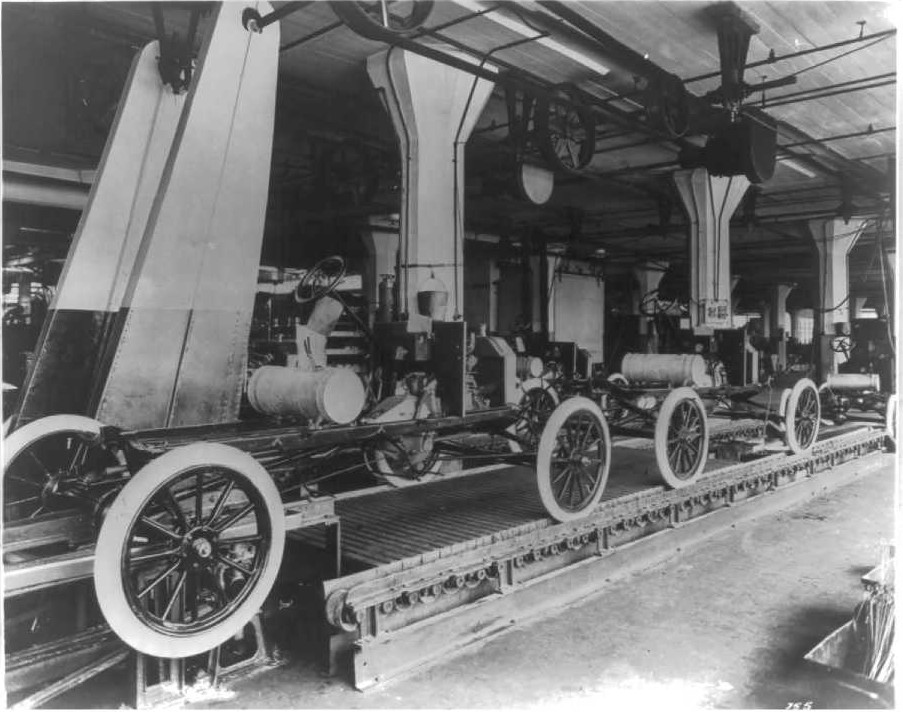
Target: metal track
{"x": 404, "y": 613}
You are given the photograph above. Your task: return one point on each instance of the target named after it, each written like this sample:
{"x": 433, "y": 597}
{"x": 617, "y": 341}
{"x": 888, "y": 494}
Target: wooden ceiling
{"x": 836, "y": 130}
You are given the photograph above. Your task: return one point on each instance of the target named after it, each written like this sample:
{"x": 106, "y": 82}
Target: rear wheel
{"x": 573, "y": 459}
{"x": 681, "y": 438}
{"x": 189, "y": 550}
{"x": 802, "y": 416}
{"x": 536, "y": 404}
{"x": 56, "y": 463}
{"x": 404, "y": 461}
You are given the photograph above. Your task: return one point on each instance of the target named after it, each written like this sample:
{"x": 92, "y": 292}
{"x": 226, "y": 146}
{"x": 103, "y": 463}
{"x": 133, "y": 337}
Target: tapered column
{"x": 777, "y": 310}
{"x": 710, "y": 202}
{"x": 833, "y": 241}
{"x": 433, "y": 109}
{"x": 779, "y": 294}
{"x": 100, "y": 260}
{"x": 181, "y": 356}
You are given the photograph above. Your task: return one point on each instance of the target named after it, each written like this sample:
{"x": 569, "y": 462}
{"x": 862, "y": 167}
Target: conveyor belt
{"x": 388, "y": 526}
{"x": 444, "y": 564}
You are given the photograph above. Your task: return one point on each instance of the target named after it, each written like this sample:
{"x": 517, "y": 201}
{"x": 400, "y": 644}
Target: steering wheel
{"x": 320, "y": 280}
{"x": 842, "y": 345}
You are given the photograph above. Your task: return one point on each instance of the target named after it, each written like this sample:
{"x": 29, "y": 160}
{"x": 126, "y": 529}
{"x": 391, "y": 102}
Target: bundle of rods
{"x": 873, "y": 628}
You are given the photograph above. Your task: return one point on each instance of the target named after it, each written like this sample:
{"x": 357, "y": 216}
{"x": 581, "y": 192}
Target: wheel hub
{"x": 199, "y": 545}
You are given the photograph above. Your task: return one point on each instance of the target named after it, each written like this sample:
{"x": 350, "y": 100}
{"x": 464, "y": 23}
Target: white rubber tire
{"x": 546, "y": 448}
{"x": 131, "y": 501}
{"x": 660, "y": 438}
{"x": 782, "y": 405}
{"x": 30, "y": 433}
{"x": 526, "y": 387}
{"x": 890, "y": 419}
{"x": 799, "y": 388}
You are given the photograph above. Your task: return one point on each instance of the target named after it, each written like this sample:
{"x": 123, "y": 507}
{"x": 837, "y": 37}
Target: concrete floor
{"x": 726, "y": 625}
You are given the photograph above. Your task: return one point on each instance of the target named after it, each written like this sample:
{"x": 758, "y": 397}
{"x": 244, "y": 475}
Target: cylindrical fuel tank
{"x": 332, "y": 394}
{"x": 528, "y": 367}
{"x": 678, "y": 369}
{"x": 853, "y": 382}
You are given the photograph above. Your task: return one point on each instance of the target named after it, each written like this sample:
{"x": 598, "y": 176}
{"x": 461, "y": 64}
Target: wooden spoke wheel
{"x": 573, "y": 459}
{"x": 802, "y": 416}
{"x": 681, "y": 438}
{"x": 56, "y": 463}
{"x": 403, "y": 461}
{"x": 189, "y": 550}
{"x": 610, "y": 406}
{"x": 383, "y": 20}
{"x": 566, "y": 133}
{"x": 536, "y": 405}
{"x": 890, "y": 420}
{"x": 320, "y": 280}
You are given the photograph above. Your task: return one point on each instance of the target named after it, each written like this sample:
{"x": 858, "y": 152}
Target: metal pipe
{"x": 801, "y": 53}
{"x": 850, "y": 90}
{"x": 837, "y": 85}
{"x": 838, "y": 137}
{"x": 70, "y": 197}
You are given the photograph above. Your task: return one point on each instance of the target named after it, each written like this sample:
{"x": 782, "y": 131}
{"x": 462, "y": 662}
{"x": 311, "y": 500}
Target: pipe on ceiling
{"x": 53, "y": 195}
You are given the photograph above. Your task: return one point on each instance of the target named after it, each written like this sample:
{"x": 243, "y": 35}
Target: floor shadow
{"x": 783, "y": 679}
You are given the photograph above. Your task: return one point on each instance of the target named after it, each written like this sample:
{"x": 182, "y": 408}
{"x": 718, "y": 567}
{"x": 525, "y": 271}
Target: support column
{"x": 648, "y": 276}
{"x": 765, "y": 311}
{"x": 382, "y": 248}
{"x": 735, "y": 298}
{"x": 833, "y": 241}
{"x": 433, "y": 109}
{"x": 90, "y": 291}
{"x": 181, "y": 355}
{"x": 710, "y": 202}
{"x": 778, "y": 308}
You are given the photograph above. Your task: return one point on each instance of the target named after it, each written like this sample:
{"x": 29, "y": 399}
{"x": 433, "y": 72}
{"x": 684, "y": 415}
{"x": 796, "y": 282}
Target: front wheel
{"x": 802, "y": 416}
{"x": 573, "y": 459}
{"x": 189, "y": 550}
{"x": 681, "y": 438}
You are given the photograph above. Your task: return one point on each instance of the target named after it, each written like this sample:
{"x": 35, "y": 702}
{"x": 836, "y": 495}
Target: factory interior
{"x": 449, "y": 354}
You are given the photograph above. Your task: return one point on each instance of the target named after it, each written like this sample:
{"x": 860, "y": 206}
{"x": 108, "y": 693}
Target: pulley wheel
{"x": 384, "y": 20}
{"x": 566, "y": 133}
{"x": 573, "y": 459}
{"x": 189, "y": 550}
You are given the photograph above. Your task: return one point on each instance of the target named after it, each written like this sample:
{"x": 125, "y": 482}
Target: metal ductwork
{"x": 17, "y": 189}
